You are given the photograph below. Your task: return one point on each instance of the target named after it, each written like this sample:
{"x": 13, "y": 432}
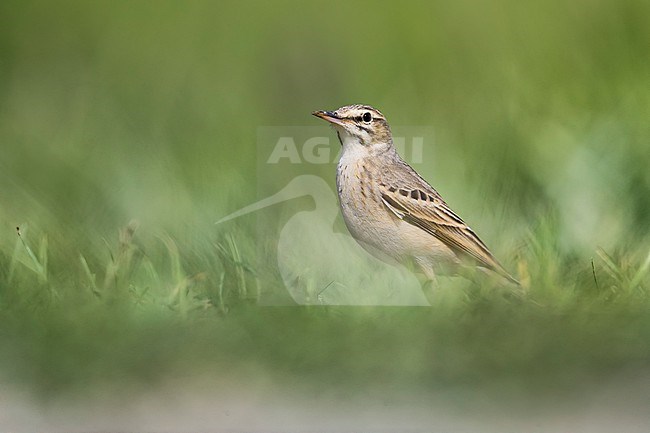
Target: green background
{"x": 128, "y": 128}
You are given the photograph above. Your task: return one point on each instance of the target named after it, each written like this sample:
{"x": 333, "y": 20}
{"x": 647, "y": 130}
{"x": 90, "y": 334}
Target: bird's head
{"x": 359, "y": 125}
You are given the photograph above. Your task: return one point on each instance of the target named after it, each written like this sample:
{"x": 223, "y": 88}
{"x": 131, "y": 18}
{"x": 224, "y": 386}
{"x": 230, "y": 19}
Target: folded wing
{"x": 423, "y": 207}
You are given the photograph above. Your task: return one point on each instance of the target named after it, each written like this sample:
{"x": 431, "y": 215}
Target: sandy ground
{"x": 621, "y": 405}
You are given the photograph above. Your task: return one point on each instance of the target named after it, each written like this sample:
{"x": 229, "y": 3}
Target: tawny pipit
{"x": 389, "y": 208}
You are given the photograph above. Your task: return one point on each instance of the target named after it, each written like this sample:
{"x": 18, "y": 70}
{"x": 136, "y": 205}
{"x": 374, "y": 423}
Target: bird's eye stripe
{"x": 365, "y": 117}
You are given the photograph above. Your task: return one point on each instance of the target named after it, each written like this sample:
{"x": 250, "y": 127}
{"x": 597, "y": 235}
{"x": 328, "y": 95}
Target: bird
{"x": 391, "y": 211}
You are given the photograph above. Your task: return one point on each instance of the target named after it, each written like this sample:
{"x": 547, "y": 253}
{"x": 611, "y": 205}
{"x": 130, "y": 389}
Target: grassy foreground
{"x": 137, "y": 322}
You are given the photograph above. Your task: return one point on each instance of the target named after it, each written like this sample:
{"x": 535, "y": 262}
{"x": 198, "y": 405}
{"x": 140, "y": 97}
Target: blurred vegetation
{"x": 128, "y": 128}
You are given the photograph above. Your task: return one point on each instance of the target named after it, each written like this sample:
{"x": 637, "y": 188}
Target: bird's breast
{"x": 360, "y": 199}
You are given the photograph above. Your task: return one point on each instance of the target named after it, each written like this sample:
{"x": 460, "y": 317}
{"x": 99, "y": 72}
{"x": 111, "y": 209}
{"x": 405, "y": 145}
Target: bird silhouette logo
{"x": 321, "y": 267}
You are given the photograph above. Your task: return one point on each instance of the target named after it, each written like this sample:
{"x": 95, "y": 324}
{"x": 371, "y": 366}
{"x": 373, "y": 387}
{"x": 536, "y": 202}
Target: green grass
{"x": 147, "y": 321}
{"x": 127, "y": 130}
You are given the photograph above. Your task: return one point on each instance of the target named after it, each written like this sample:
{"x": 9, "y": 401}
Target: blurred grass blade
{"x": 37, "y": 266}
{"x": 42, "y": 254}
{"x": 178, "y": 296}
{"x": 641, "y": 273}
{"x": 231, "y": 253}
{"x": 177, "y": 272}
{"x": 612, "y": 269}
{"x": 92, "y": 278}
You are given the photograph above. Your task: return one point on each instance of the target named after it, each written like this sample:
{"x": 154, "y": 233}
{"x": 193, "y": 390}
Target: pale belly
{"x": 381, "y": 232}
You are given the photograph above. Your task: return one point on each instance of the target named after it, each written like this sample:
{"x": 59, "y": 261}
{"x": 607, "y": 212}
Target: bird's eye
{"x": 367, "y": 117}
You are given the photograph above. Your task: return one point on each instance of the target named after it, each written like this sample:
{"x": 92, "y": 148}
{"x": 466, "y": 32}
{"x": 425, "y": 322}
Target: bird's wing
{"x": 423, "y": 207}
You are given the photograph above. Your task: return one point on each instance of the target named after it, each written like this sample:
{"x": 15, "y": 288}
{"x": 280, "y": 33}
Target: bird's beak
{"x": 330, "y": 116}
